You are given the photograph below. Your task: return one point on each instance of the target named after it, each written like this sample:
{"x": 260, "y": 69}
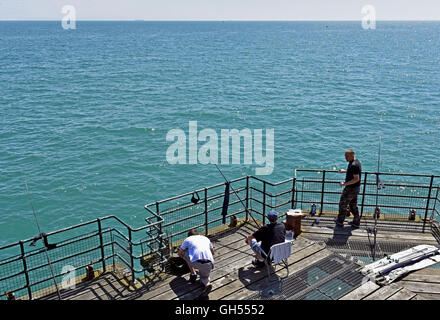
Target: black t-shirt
{"x": 353, "y": 168}
{"x": 270, "y": 234}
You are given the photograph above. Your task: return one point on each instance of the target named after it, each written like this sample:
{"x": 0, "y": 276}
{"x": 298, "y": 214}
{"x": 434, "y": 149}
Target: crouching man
{"x": 198, "y": 253}
{"x": 266, "y": 237}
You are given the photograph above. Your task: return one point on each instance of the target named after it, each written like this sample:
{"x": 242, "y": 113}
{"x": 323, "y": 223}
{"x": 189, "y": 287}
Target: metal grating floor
{"x": 328, "y": 279}
{"x": 360, "y": 250}
{"x": 334, "y": 276}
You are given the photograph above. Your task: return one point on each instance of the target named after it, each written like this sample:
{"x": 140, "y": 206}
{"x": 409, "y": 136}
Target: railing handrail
{"x": 278, "y": 183}
{"x": 191, "y": 192}
{"x": 373, "y": 172}
{"x": 88, "y": 223}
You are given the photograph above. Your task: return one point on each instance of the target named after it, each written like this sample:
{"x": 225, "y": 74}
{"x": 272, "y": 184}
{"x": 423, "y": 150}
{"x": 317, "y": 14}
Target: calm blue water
{"x": 84, "y": 113}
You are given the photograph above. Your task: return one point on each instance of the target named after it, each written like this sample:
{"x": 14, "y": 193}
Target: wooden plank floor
{"x": 233, "y": 274}
{"x": 425, "y": 282}
{"x": 372, "y": 291}
{"x": 234, "y": 277}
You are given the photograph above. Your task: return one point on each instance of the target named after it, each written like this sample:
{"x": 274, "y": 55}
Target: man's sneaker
{"x": 338, "y": 223}
{"x": 193, "y": 278}
{"x": 257, "y": 263}
{"x": 353, "y": 225}
{"x": 207, "y": 290}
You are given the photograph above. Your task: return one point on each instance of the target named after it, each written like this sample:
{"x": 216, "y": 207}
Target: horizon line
{"x": 212, "y": 20}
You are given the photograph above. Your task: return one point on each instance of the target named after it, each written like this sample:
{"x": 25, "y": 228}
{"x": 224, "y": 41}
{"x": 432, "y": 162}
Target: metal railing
{"x": 111, "y": 245}
{"x": 102, "y": 242}
{"x": 401, "y": 193}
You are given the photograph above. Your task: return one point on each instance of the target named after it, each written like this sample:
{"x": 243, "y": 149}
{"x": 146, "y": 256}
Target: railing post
{"x": 130, "y": 238}
{"x": 23, "y": 258}
{"x": 363, "y": 194}
{"x": 302, "y": 192}
{"x": 264, "y": 202}
{"x": 435, "y": 201}
{"x": 160, "y": 229}
{"x": 113, "y": 248}
{"x": 158, "y": 217}
{"x": 157, "y": 208}
{"x": 427, "y": 203}
{"x": 247, "y": 198}
{"x": 293, "y": 206}
{"x": 101, "y": 245}
{"x": 322, "y": 192}
{"x": 206, "y": 211}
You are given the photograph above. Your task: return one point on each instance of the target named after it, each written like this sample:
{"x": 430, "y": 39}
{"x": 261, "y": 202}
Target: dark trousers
{"x": 348, "y": 202}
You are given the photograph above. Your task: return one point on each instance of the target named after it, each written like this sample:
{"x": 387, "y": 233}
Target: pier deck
{"x": 317, "y": 270}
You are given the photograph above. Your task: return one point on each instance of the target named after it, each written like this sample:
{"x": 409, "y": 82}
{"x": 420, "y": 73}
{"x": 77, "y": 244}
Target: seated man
{"x": 198, "y": 252}
{"x": 266, "y": 237}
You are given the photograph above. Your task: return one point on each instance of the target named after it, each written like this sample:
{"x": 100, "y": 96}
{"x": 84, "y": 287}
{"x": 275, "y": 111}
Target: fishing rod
{"x": 245, "y": 207}
{"x": 45, "y": 249}
{"x": 377, "y": 209}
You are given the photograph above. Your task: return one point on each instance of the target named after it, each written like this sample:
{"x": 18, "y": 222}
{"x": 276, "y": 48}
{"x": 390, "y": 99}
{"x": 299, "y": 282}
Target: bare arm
{"x": 181, "y": 253}
{"x": 249, "y": 239}
{"x": 353, "y": 181}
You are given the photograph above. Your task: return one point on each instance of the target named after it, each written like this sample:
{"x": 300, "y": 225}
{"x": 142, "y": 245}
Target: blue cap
{"x": 272, "y": 215}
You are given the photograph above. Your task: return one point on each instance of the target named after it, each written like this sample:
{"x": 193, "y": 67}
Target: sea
{"x": 85, "y": 113}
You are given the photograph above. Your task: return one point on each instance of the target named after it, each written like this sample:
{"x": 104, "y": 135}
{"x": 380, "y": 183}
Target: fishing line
{"x": 45, "y": 249}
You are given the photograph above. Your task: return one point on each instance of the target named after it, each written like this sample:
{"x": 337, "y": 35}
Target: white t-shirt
{"x": 198, "y": 248}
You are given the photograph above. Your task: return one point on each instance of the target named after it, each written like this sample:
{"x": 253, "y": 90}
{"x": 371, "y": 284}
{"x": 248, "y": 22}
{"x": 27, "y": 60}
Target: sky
{"x": 220, "y": 9}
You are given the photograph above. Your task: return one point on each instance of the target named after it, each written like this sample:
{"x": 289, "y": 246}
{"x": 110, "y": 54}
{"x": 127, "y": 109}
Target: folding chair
{"x": 279, "y": 253}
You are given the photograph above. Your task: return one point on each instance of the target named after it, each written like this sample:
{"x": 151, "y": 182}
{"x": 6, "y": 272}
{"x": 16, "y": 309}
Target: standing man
{"x": 198, "y": 252}
{"x": 352, "y": 185}
{"x": 266, "y": 237}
